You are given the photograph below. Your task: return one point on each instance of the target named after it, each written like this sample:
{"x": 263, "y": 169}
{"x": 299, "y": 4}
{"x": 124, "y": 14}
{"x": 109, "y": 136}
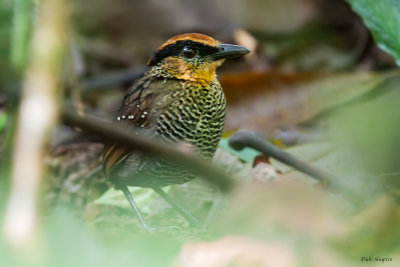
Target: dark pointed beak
{"x": 229, "y": 51}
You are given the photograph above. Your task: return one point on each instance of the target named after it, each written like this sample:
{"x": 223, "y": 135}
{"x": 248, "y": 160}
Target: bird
{"x": 178, "y": 100}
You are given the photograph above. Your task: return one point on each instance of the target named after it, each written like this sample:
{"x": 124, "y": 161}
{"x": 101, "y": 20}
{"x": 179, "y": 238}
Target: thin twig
{"x": 244, "y": 139}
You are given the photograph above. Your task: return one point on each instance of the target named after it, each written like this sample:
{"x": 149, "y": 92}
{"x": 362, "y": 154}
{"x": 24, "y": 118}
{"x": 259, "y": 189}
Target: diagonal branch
{"x": 244, "y": 139}
{"x": 140, "y": 142}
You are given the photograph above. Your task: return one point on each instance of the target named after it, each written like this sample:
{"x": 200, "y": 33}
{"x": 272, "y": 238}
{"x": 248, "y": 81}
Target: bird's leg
{"x": 189, "y": 217}
{"x": 133, "y": 205}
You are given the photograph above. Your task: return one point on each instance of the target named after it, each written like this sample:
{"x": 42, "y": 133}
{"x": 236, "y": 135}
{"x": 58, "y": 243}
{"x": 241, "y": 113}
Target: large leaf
{"x": 382, "y": 17}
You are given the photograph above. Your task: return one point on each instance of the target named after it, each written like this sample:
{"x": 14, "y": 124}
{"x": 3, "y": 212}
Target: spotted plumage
{"x": 179, "y": 100}
{"x": 175, "y": 111}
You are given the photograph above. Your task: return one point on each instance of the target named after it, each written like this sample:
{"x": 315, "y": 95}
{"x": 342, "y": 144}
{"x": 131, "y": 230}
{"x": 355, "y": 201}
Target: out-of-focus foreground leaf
{"x": 21, "y": 31}
{"x": 3, "y": 120}
{"x": 383, "y": 19}
{"x": 371, "y": 130}
{"x": 67, "y": 243}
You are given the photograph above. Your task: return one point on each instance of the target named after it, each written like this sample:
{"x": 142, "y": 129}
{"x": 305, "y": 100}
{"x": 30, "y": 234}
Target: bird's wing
{"x": 138, "y": 108}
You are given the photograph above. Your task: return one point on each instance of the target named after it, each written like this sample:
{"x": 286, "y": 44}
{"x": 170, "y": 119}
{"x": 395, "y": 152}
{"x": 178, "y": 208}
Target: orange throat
{"x": 203, "y": 74}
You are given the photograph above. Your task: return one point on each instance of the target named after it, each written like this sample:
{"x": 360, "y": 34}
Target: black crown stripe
{"x": 176, "y": 48}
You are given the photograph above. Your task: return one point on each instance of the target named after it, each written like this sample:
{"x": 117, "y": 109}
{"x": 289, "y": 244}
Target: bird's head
{"x": 193, "y": 56}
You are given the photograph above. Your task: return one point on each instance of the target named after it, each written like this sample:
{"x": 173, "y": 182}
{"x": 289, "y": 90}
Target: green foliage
{"x": 6, "y": 74}
{"x": 3, "y": 120}
{"x": 22, "y": 22}
{"x": 382, "y": 17}
{"x": 64, "y": 242}
{"x": 371, "y": 128}
{"x": 247, "y": 154}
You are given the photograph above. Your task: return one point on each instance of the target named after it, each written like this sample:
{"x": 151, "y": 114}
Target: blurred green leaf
{"x": 3, "y": 120}
{"x": 371, "y": 128}
{"x": 22, "y": 23}
{"x": 247, "y": 154}
{"x": 382, "y": 17}
{"x": 65, "y": 242}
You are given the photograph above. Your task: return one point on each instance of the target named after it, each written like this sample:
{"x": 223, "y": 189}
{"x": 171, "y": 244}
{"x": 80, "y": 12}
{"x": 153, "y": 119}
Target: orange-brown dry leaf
{"x": 247, "y": 84}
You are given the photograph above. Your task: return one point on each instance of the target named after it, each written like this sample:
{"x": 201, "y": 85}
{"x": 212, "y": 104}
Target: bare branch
{"x": 244, "y": 139}
{"x": 139, "y": 141}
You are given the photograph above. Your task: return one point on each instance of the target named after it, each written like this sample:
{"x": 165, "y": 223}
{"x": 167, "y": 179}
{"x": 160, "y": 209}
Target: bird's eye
{"x": 188, "y": 52}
